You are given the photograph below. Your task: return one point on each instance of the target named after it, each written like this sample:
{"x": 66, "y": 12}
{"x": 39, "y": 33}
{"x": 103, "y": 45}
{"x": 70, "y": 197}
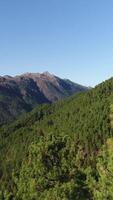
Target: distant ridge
{"x": 22, "y": 93}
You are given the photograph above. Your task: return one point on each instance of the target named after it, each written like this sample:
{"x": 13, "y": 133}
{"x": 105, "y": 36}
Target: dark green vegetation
{"x": 21, "y": 94}
{"x": 62, "y": 151}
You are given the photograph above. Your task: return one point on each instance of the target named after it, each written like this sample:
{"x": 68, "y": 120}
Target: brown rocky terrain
{"x": 22, "y": 93}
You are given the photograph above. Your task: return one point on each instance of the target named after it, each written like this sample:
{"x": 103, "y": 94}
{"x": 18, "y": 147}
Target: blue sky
{"x": 70, "y": 38}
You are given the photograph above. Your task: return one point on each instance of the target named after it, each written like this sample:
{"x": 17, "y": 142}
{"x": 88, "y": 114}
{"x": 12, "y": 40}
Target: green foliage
{"x": 52, "y": 152}
{"x": 103, "y": 188}
{"x": 50, "y": 171}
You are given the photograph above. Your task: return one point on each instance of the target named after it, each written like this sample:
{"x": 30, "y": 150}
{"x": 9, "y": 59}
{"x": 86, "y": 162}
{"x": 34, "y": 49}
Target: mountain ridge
{"x": 22, "y": 93}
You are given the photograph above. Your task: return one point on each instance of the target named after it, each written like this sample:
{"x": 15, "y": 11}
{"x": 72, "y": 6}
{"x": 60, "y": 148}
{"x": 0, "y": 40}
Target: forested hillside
{"x": 62, "y": 151}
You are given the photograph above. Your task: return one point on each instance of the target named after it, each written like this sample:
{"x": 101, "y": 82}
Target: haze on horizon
{"x": 71, "y": 39}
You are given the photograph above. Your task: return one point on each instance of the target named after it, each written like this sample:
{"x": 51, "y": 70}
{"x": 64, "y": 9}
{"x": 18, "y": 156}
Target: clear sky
{"x": 70, "y": 38}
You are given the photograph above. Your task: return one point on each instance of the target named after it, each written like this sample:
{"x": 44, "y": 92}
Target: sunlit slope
{"x": 21, "y": 94}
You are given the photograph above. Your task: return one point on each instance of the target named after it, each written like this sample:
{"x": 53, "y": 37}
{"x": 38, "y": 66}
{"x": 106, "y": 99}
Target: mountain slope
{"x": 22, "y": 93}
{"x": 64, "y": 139}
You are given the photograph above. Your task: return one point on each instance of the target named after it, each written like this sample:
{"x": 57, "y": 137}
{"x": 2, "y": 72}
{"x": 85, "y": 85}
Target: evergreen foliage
{"x": 60, "y": 151}
{"x": 104, "y": 186}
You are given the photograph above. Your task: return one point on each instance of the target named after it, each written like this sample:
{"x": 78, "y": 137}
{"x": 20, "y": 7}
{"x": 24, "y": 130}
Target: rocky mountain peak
{"x": 21, "y": 93}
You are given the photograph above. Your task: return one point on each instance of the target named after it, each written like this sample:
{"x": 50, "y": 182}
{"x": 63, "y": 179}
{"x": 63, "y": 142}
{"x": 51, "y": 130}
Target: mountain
{"x": 62, "y": 150}
{"x": 22, "y": 93}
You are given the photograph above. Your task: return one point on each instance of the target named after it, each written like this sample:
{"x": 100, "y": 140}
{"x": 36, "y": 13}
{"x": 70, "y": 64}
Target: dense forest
{"x": 62, "y": 151}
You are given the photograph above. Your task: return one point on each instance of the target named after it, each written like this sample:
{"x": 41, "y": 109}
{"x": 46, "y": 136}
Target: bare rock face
{"x": 22, "y": 93}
